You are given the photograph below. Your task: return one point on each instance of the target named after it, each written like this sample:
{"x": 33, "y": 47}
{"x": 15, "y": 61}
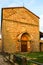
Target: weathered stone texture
{"x": 16, "y": 21}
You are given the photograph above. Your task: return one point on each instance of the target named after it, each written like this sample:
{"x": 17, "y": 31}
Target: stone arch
{"x": 25, "y": 36}
{"x": 25, "y": 42}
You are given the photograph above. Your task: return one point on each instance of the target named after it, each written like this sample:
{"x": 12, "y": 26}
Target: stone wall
{"x": 16, "y": 21}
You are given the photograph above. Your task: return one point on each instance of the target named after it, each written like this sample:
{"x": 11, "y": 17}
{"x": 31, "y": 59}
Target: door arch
{"x": 24, "y": 42}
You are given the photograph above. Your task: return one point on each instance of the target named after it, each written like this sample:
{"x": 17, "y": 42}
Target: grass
{"x": 36, "y": 56}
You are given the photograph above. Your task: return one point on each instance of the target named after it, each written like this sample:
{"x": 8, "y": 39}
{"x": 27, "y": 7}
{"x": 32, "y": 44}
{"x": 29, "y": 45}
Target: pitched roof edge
{"x": 32, "y": 12}
{"x": 22, "y": 7}
{"x": 12, "y": 7}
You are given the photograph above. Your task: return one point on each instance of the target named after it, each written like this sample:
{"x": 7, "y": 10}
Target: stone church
{"x": 20, "y": 30}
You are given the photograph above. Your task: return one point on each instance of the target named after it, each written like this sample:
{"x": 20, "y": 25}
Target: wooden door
{"x": 23, "y": 46}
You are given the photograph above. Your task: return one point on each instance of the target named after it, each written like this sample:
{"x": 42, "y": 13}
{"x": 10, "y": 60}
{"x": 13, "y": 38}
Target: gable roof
{"x": 22, "y": 7}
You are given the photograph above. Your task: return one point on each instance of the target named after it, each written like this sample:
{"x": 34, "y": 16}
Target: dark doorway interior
{"x": 23, "y": 46}
{"x": 41, "y": 47}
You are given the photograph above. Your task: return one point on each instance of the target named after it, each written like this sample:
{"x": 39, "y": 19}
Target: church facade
{"x": 20, "y": 30}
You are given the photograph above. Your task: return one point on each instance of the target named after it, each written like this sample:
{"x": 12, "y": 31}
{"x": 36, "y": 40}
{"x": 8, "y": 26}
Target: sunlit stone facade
{"x": 20, "y": 30}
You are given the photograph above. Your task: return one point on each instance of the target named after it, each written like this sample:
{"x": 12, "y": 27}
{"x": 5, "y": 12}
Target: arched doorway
{"x": 24, "y": 42}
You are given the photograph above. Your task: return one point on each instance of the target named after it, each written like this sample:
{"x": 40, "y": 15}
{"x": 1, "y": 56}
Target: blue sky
{"x": 35, "y": 6}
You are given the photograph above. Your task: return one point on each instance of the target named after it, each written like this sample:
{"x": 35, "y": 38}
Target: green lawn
{"x": 36, "y": 56}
